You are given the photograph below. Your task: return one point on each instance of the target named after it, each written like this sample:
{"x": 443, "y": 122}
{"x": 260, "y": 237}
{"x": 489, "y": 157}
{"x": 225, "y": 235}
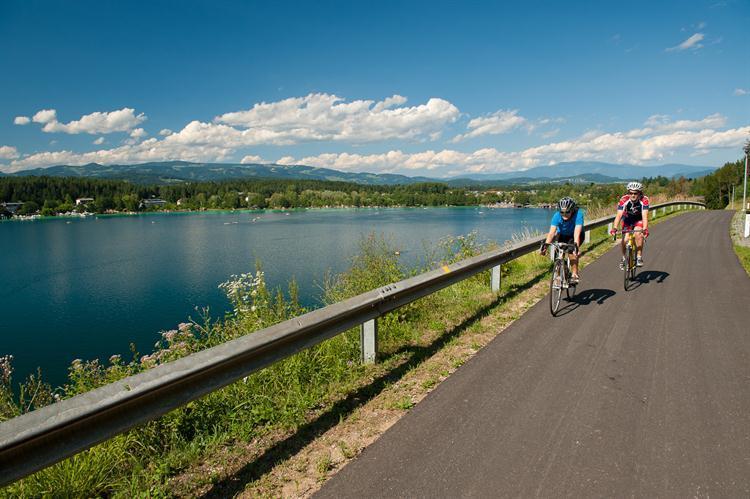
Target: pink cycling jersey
{"x": 632, "y": 210}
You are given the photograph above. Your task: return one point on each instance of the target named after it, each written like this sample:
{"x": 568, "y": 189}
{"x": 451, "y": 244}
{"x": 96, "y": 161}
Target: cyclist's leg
{"x": 639, "y": 241}
{"x": 572, "y": 256}
{"x": 574, "y": 264}
{"x": 625, "y": 227}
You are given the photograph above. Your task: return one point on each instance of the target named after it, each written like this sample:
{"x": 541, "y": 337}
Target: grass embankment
{"x": 741, "y": 245}
{"x": 283, "y": 430}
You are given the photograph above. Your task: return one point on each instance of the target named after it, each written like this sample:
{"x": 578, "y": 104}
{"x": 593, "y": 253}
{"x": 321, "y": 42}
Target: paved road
{"x": 644, "y": 393}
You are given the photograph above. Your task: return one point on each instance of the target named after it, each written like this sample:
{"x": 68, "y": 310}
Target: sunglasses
{"x": 633, "y": 192}
{"x": 566, "y": 212}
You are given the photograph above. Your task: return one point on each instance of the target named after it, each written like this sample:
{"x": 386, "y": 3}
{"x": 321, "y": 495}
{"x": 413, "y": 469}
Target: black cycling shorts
{"x": 566, "y": 238}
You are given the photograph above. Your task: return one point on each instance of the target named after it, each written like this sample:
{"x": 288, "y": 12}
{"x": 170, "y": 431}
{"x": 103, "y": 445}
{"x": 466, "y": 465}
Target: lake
{"x": 86, "y": 288}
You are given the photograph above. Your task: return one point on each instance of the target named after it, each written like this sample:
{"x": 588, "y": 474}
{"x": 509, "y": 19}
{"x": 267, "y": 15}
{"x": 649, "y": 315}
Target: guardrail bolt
{"x": 368, "y": 340}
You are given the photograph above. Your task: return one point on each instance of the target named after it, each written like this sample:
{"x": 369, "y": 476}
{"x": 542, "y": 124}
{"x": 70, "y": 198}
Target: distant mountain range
{"x": 172, "y": 172}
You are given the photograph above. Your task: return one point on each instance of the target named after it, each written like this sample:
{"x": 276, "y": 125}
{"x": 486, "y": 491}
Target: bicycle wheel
{"x": 555, "y": 286}
{"x": 628, "y": 261}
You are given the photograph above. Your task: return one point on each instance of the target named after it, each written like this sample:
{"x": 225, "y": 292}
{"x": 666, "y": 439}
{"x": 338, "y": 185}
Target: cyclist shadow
{"x": 646, "y": 277}
{"x": 651, "y": 275}
{"x": 586, "y": 297}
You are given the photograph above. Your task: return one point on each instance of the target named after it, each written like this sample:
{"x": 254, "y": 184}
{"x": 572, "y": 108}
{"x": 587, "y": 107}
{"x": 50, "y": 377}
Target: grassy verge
{"x": 743, "y": 253}
{"x": 283, "y": 430}
{"x": 741, "y": 245}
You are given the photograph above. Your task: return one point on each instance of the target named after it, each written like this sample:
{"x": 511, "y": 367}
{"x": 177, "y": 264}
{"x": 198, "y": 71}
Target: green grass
{"x": 736, "y": 232}
{"x": 743, "y": 253}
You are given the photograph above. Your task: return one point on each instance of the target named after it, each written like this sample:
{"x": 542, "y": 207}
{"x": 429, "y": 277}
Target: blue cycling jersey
{"x": 566, "y": 227}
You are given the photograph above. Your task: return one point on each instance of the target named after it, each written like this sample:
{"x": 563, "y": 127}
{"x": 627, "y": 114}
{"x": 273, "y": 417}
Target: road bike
{"x": 561, "y": 274}
{"x": 629, "y": 267}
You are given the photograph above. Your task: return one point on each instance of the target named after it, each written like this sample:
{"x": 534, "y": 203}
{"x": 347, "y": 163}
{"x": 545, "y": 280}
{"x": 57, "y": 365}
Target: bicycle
{"x": 561, "y": 274}
{"x": 630, "y": 267}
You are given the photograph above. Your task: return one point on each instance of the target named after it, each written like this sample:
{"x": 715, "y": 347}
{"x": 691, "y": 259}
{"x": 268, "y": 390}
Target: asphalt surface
{"x": 640, "y": 393}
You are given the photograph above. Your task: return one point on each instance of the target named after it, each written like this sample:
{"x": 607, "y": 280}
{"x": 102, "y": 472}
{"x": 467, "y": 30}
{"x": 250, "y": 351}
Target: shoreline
{"x": 32, "y": 218}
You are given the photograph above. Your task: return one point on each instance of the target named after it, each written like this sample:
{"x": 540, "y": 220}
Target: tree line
{"x": 717, "y": 187}
{"x": 50, "y": 195}
{"x": 53, "y": 195}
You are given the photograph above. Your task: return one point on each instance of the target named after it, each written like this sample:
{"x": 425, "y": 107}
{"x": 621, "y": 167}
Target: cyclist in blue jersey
{"x": 567, "y": 225}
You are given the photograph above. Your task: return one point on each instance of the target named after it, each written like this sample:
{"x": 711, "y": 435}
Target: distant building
{"x": 147, "y": 203}
{"x": 84, "y": 201}
{"x": 11, "y": 207}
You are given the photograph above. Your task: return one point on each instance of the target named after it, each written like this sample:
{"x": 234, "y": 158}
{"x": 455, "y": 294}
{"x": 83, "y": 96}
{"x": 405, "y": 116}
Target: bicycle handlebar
{"x": 567, "y": 247}
{"x": 628, "y": 231}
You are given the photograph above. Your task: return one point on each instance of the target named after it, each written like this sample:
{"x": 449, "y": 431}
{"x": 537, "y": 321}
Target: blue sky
{"x": 420, "y": 88}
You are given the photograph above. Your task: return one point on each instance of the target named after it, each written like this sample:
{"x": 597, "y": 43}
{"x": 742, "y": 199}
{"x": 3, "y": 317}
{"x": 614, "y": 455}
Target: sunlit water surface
{"x": 87, "y": 288}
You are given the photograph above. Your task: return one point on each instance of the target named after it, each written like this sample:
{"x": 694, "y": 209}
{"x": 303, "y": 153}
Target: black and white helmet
{"x": 566, "y": 205}
{"x": 635, "y": 186}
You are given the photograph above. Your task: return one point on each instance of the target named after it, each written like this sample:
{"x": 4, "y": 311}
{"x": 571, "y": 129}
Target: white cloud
{"x": 138, "y": 133}
{"x": 165, "y": 131}
{"x": 502, "y": 121}
{"x": 99, "y": 141}
{"x": 149, "y": 150}
{"x": 618, "y": 147}
{"x": 45, "y": 116}
{"x": 21, "y": 120}
{"x": 318, "y": 117}
{"x": 252, "y": 159}
{"x": 660, "y": 137}
{"x": 740, "y": 91}
{"x": 663, "y": 123}
{"x": 98, "y": 122}
{"x": 691, "y": 43}
{"x": 8, "y": 152}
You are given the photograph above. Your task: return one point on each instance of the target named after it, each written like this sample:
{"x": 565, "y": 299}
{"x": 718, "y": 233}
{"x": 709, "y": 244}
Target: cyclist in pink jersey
{"x": 632, "y": 210}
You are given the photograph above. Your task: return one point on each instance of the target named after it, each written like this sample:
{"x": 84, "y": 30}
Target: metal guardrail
{"x": 45, "y": 436}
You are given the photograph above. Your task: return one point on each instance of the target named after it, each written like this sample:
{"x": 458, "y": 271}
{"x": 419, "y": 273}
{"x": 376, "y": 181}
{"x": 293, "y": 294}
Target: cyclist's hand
{"x": 645, "y": 233}
{"x": 578, "y": 249}
{"x": 543, "y": 249}
{"x": 612, "y": 231}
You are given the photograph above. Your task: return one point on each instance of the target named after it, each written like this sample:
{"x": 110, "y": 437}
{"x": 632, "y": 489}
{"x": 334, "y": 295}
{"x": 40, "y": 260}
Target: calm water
{"x": 86, "y": 288}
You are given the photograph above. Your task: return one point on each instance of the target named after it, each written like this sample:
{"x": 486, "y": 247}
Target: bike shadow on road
{"x": 646, "y": 277}
{"x": 586, "y": 297}
{"x": 651, "y": 275}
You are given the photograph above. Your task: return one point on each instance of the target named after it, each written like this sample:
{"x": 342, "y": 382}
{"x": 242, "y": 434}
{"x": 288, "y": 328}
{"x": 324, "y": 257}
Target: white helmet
{"x": 635, "y": 186}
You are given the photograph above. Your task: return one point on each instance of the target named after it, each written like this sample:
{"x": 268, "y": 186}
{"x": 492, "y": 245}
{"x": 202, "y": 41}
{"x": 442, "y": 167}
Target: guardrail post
{"x": 368, "y": 339}
{"x": 496, "y": 277}
{"x": 587, "y": 237}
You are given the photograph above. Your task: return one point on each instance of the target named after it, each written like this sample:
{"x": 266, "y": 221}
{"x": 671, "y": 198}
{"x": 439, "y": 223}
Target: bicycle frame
{"x": 561, "y": 272}
{"x": 630, "y": 255}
